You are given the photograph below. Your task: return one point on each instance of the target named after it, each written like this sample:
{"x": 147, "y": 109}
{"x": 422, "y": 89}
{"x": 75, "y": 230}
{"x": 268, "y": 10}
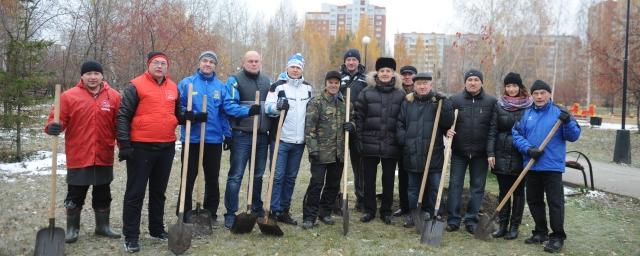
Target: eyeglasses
{"x": 159, "y": 63}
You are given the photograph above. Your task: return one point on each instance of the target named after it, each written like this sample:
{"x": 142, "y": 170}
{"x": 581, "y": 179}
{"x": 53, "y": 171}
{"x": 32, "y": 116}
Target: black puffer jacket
{"x": 472, "y": 129}
{"x": 377, "y": 111}
{"x": 415, "y": 125}
{"x": 500, "y": 142}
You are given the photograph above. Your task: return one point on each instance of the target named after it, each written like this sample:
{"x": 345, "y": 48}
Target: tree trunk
{"x": 638, "y": 115}
{"x": 18, "y": 134}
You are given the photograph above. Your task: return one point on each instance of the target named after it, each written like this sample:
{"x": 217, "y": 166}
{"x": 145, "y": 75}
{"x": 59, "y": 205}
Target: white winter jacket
{"x": 298, "y": 94}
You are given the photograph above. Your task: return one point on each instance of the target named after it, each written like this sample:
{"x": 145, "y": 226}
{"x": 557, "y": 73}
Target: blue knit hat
{"x": 296, "y": 60}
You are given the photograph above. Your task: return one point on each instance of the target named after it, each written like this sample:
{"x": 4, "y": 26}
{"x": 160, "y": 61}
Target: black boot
{"x": 285, "y": 217}
{"x": 73, "y": 225}
{"x": 102, "y": 223}
{"x": 516, "y": 217}
{"x": 503, "y": 220}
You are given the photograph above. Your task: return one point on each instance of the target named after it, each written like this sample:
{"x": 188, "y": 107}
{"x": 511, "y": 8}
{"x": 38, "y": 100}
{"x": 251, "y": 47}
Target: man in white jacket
{"x": 291, "y": 94}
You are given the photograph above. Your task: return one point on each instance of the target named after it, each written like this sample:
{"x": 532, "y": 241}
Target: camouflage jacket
{"x": 323, "y": 128}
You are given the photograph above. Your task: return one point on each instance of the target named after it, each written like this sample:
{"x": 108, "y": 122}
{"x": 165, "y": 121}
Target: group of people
{"x": 392, "y": 121}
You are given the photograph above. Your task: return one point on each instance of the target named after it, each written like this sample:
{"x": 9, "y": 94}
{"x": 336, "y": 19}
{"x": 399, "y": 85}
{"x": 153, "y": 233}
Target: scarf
{"x": 511, "y": 104}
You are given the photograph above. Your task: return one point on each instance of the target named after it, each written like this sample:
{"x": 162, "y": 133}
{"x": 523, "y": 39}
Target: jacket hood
{"x": 105, "y": 85}
{"x": 412, "y": 96}
{"x": 371, "y": 81}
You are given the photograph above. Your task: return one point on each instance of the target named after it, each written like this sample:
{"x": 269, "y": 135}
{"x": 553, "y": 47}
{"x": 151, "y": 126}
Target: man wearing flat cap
{"x": 87, "y": 117}
{"x": 407, "y": 73}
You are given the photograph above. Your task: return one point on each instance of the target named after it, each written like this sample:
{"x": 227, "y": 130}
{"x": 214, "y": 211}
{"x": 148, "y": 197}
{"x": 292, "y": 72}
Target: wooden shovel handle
{"x": 254, "y": 141}
{"x": 185, "y": 161}
{"x": 447, "y": 159}
{"x": 54, "y": 153}
{"x": 273, "y": 164}
{"x": 200, "y": 176}
{"x": 430, "y": 152}
{"x": 346, "y": 146}
{"x": 528, "y": 166}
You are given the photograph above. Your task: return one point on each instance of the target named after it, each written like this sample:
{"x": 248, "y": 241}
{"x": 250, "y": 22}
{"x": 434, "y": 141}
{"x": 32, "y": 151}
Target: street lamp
{"x": 365, "y": 40}
{"x": 621, "y": 152}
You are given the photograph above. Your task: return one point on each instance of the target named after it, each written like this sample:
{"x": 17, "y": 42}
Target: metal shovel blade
{"x": 244, "y": 223}
{"x": 269, "y": 227}
{"x": 201, "y": 220}
{"x": 432, "y": 233}
{"x": 418, "y": 218}
{"x": 345, "y": 217}
{"x": 485, "y": 227}
{"x": 180, "y": 235}
{"x": 50, "y": 240}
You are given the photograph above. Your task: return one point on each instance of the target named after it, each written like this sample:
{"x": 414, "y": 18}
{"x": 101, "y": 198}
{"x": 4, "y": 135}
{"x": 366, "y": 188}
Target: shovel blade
{"x": 201, "y": 221}
{"x": 418, "y": 219}
{"x": 244, "y": 223}
{"x": 432, "y": 233}
{"x": 180, "y": 235}
{"x": 50, "y": 241}
{"x": 270, "y": 227}
{"x": 345, "y": 217}
{"x": 485, "y": 227}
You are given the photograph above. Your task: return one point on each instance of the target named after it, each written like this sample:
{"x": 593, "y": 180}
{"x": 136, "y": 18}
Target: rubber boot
{"x": 73, "y": 225}
{"x": 102, "y": 223}
{"x": 516, "y": 217}
{"x": 503, "y": 221}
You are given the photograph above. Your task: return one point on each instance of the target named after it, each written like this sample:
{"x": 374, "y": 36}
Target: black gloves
{"x": 254, "y": 110}
{"x": 565, "y": 117}
{"x": 125, "y": 152}
{"x": 226, "y": 145}
{"x": 349, "y": 127}
{"x": 200, "y": 117}
{"x": 189, "y": 116}
{"x": 314, "y": 156}
{"x": 54, "y": 129}
{"x": 283, "y": 104}
{"x": 534, "y": 152}
{"x": 440, "y": 96}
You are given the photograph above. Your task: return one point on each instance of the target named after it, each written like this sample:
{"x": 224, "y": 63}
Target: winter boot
{"x": 503, "y": 221}
{"x": 73, "y": 225}
{"x": 102, "y": 224}
{"x": 516, "y": 217}
{"x": 285, "y": 217}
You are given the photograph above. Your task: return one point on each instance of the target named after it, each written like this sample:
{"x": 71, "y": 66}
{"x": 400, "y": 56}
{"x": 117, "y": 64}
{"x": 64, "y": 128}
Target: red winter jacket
{"x": 155, "y": 118}
{"x": 89, "y": 124}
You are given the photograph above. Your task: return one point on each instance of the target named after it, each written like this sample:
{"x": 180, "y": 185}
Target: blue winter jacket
{"x": 217, "y": 126}
{"x": 533, "y": 127}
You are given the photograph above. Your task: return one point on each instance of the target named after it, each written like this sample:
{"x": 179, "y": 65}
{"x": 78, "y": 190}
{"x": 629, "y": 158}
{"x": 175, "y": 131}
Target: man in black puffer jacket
{"x": 475, "y": 108}
{"x": 377, "y": 112}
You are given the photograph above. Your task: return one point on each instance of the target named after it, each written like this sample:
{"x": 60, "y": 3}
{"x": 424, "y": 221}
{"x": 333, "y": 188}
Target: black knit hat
{"x": 385, "y": 62}
{"x": 410, "y": 69}
{"x": 473, "y": 72}
{"x": 332, "y": 74}
{"x": 540, "y": 85}
{"x": 90, "y": 65}
{"x": 352, "y": 53}
{"x": 153, "y": 54}
{"x": 513, "y": 78}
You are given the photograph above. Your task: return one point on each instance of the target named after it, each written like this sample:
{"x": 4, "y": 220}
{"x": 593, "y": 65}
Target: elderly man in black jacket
{"x": 415, "y": 126}
{"x": 475, "y": 109}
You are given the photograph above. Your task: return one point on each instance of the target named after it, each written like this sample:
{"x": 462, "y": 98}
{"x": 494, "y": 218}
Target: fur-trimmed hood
{"x": 371, "y": 81}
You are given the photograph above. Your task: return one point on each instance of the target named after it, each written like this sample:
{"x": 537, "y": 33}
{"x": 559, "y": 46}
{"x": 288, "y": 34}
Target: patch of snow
{"x": 608, "y": 126}
{"x": 37, "y": 164}
{"x": 595, "y": 194}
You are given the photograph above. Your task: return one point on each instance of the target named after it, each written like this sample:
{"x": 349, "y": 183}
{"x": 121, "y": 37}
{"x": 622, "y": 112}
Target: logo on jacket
{"x": 171, "y": 96}
{"x": 105, "y": 106}
{"x": 216, "y": 94}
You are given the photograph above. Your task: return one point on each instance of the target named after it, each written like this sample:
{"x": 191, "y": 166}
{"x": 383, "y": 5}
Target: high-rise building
{"x": 338, "y": 19}
{"x": 425, "y": 51}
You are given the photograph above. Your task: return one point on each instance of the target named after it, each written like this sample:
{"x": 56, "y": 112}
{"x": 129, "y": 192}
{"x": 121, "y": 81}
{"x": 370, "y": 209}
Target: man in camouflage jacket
{"x": 324, "y": 136}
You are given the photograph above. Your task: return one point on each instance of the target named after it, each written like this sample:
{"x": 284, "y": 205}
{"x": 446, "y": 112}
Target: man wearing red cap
{"x": 146, "y": 125}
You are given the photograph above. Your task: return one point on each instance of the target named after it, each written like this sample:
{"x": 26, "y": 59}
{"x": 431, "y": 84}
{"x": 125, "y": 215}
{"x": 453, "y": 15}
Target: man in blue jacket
{"x": 545, "y": 177}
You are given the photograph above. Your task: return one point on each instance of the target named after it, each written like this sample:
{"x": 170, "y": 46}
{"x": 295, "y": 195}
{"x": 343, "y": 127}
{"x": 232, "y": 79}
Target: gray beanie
{"x": 209, "y": 54}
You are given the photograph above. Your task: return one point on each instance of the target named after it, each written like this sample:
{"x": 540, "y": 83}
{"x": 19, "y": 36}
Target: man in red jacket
{"x": 88, "y": 117}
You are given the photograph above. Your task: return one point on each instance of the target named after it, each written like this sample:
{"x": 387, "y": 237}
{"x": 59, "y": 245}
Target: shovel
{"x": 245, "y": 221}
{"x": 345, "y": 201}
{"x": 200, "y": 218}
{"x": 484, "y": 229}
{"x": 416, "y": 213}
{"x": 180, "y": 233}
{"x": 50, "y": 240}
{"x": 432, "y": 233}
{"x": 270, "y": 226}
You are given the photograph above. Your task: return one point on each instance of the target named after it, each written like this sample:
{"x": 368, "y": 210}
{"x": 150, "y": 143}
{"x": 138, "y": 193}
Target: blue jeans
{"x": 430, "y": 191}
{"x": 240, "y": 156}
{"x": 478, "y": 176}
{"x": 287, "y": 166}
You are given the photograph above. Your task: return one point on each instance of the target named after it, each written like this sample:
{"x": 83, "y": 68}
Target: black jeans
{"x": 370, "y": 168}
{"x": 540, "y": 183}
{"x": 358, "y": 172}
{"x": 403, "y": 184}
{"x": 211, "y": 168}
{"x": 101, "y": 196}
{"x": 146, "y": 166}
{"x": 322, "y": 190}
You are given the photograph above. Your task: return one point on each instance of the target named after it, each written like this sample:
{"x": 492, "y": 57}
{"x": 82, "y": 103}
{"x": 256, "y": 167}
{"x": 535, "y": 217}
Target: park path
{"x": 610, "y": 177}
